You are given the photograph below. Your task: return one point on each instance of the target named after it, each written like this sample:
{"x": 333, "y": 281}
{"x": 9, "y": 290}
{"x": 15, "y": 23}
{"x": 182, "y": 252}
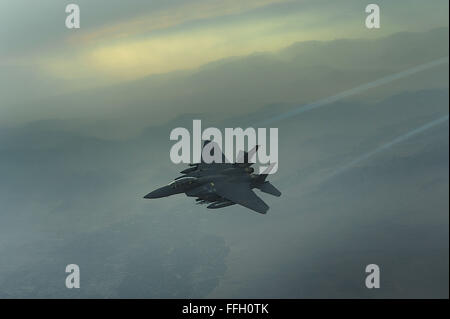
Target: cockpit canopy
{"x": 183, "y": 181}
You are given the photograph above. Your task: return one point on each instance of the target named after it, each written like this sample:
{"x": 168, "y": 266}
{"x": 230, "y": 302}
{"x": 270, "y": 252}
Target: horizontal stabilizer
{"x": 240, "y": 193}
{"x": 269, "y": 189}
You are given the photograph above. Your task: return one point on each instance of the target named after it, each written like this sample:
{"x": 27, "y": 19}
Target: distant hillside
{"x": 301, "y": 73}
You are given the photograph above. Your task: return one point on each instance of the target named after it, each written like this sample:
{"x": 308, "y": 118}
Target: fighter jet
{"x": 221, "y": 184}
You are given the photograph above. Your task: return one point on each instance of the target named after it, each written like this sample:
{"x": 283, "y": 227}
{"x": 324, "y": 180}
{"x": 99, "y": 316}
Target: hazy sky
{"x": 120, "y": 41}
{"x": 85, "y": 117}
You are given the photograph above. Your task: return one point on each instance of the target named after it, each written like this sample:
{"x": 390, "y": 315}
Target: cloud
{"x": 121, "y": 41}
{"x": 133, "y": 57}
{"x": 170, "y": 17}
{"x": 302, "y": 73}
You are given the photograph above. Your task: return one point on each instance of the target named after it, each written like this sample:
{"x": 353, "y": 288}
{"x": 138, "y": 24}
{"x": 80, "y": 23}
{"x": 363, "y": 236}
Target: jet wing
{"x": 240, "y": 193}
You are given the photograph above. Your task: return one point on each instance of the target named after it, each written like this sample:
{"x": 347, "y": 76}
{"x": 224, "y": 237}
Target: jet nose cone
{"x": 153, "y": 194}
{"x": 158, "y": 193}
